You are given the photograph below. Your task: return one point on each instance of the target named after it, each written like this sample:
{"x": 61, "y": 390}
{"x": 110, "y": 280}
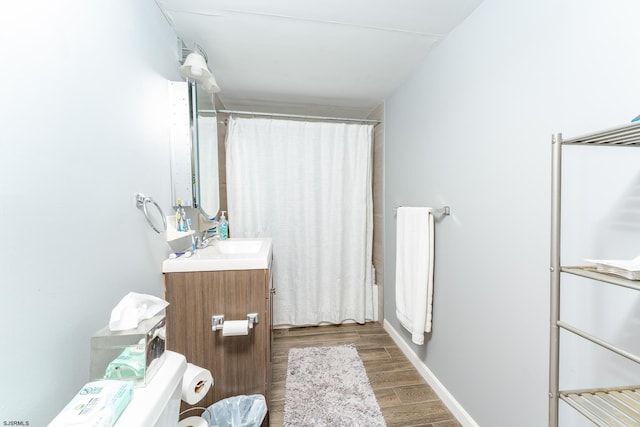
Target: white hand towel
{"x": 414, "y": 270}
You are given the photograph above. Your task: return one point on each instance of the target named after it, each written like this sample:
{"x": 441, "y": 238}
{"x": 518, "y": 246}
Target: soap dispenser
{"x": 224, "y": 226}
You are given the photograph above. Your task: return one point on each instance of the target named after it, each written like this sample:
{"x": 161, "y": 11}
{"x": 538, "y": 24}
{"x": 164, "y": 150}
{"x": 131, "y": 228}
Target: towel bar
{"x": 445, "y": 210}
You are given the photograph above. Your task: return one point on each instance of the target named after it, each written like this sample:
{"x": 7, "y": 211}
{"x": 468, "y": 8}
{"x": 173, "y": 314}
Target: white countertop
{"x": 230, "y": 254}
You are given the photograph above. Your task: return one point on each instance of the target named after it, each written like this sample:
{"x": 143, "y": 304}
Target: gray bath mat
{"x": 328, "y": 387}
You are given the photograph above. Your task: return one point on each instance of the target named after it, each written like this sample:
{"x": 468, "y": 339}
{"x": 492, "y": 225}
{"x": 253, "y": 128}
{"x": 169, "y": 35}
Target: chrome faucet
{"x": 204, "y": 240}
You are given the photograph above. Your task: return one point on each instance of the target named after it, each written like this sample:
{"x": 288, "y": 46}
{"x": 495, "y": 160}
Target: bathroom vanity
{"x": 229, "y": 278}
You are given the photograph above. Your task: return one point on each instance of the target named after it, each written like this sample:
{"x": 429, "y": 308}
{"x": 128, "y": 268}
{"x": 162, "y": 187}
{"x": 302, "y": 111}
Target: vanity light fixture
{"x": 195, "y": 67}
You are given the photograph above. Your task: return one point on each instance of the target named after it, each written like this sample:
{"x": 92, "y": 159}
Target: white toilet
{"x": 157, "y": 404}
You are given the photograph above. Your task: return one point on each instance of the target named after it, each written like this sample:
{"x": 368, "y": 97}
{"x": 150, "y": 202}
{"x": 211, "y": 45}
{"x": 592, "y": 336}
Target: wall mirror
{"x": 205, "y": 151}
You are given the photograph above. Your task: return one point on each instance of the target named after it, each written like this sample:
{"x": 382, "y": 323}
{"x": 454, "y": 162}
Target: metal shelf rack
{"x": 604, "y": 407}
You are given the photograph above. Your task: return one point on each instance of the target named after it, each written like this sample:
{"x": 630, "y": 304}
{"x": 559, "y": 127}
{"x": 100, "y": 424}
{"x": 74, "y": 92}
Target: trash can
{"x": 237, "y": 411}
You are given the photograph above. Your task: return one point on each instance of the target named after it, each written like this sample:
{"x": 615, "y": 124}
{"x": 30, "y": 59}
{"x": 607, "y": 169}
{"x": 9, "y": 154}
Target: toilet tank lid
{"x": 148, "y": 402}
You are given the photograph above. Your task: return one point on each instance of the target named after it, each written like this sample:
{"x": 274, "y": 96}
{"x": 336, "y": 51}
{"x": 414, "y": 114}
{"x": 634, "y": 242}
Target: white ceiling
{"x": 337, "y": 58}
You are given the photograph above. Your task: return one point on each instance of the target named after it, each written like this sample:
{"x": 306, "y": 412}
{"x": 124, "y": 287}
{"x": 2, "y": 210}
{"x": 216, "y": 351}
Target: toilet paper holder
{"x": 217, "y": 321}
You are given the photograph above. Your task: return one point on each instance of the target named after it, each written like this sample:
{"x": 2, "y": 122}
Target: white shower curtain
{"x": 308, "y": 186}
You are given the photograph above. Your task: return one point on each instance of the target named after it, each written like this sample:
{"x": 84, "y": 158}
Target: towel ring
{"x": 141, "y": 202}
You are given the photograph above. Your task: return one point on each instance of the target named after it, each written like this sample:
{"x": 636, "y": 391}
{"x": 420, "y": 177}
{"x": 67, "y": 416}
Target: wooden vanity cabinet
{"x": 239, "y": 364}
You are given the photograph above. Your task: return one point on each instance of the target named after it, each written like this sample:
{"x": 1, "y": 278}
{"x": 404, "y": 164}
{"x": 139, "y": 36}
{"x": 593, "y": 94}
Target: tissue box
{"x": 133, "y": 355}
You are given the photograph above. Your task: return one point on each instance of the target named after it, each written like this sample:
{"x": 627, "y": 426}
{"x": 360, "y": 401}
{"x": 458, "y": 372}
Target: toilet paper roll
{"x": 193, "y": 422}
{"x": 235, "y": 327}
{"x": 196, "y": 382}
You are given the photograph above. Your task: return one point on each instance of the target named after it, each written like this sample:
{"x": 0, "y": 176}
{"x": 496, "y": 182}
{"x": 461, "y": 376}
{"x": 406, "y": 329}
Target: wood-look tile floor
{"x": 405, "y": 399}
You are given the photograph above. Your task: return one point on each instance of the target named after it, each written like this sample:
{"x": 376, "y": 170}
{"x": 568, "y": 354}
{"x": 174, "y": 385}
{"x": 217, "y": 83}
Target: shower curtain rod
{"x": 293, "y": 116}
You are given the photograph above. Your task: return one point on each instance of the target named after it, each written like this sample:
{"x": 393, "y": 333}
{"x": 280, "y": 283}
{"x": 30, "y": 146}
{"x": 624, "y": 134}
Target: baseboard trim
{"x": 447, "y": 398}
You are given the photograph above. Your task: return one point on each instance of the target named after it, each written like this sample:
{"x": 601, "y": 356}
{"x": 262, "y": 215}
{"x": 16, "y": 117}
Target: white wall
{"x": 82, "y": 128}
{"x": 471, "y": 129}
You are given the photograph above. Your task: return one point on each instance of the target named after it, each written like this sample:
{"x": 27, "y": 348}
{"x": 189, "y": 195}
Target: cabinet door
{"x": 238, "y": 363}
{"x": 269, "y": 320}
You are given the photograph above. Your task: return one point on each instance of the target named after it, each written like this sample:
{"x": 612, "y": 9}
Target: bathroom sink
{"x": 239, "y": 246}
{"x": 230, "y": 254}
